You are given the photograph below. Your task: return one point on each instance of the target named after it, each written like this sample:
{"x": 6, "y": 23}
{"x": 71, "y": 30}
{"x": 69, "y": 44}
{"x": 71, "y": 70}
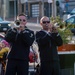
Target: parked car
{"x": 72, "y": 12}
{"x": 1, "y": 19}
{"x": 70, "y": 20}
{"x": 4, "y": 25}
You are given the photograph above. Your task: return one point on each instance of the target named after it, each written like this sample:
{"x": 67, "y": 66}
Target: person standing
{"x": 20, "y": 39}
{"x": 5, "y": 48}
{"x": 48, "y": 39}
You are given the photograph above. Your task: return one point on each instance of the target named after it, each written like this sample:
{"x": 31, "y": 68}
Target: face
{"x": 23, "y": 20}
{"x": 45, "y": 22}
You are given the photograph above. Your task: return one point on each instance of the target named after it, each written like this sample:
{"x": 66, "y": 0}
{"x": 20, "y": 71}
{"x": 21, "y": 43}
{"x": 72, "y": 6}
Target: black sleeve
{"x": 57, "y": 39}
{"x": 42, "y": 39}
{"x": 46, "y": 38}
{"x": 28, "y": 37}
{"x": 11, "y": 35}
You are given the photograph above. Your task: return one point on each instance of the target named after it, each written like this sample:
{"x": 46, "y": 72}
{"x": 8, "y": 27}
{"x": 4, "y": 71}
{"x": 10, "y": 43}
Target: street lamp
{"x": 42, "y": 7}
{"x": 54, "y": 8}
{"x": 4, "y": 8}
{"x": 26, "y": 7}
{"x": 14, "y": 10}
{"x": 49, "y": 1}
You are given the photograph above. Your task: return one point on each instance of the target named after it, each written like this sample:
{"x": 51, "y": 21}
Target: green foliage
{"x": 63, "y": 29}
{"x": 66, "y": 34}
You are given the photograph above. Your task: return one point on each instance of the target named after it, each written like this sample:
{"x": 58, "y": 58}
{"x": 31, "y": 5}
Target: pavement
{"x": 34, "y": 24}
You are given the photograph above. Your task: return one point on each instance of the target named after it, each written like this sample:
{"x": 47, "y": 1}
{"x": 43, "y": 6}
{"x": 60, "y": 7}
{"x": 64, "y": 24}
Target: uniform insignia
{"x": 31, "y": 35}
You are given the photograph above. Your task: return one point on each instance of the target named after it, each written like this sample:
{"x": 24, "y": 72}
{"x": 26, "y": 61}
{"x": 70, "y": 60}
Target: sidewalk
{"x": 33, "y": 24}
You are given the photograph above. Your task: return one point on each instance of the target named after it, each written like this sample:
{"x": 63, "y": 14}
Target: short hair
{"x": 43, "y": 18}
{"x": 22, "y": 14}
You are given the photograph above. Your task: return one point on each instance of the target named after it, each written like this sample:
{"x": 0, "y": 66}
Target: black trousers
{"x": 50, "y": 68}
{"x": 19, "y": 67}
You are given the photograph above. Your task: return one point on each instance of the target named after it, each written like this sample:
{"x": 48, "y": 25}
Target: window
{"x": 35, "y": 10}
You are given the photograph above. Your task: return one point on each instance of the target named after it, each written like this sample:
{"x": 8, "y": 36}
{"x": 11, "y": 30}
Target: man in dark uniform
{"x": 48, "y": 39}
{"x": 20, "y": 38}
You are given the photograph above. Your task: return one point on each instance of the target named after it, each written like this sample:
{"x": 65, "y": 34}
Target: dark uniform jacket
{"x": 48, "y": 43}
{"x": 20, "y": 43}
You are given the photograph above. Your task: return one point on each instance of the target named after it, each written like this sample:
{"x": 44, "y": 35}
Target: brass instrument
{"x": 17, "y": 23}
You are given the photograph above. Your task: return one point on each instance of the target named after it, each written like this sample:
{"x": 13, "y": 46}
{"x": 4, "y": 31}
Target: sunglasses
{"x": 22, "y": 20}
{"x": 45, "y": 22}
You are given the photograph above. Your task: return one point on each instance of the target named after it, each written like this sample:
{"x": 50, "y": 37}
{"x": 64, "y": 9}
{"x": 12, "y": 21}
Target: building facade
{"x": 33, "y": 8}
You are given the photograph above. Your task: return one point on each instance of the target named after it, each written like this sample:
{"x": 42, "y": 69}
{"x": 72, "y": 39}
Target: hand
{"x": 50, "y": 27}
{"x": 22, "y": 28}
{"x": 14, "y": 30}
{"x": 54, "y": 29}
